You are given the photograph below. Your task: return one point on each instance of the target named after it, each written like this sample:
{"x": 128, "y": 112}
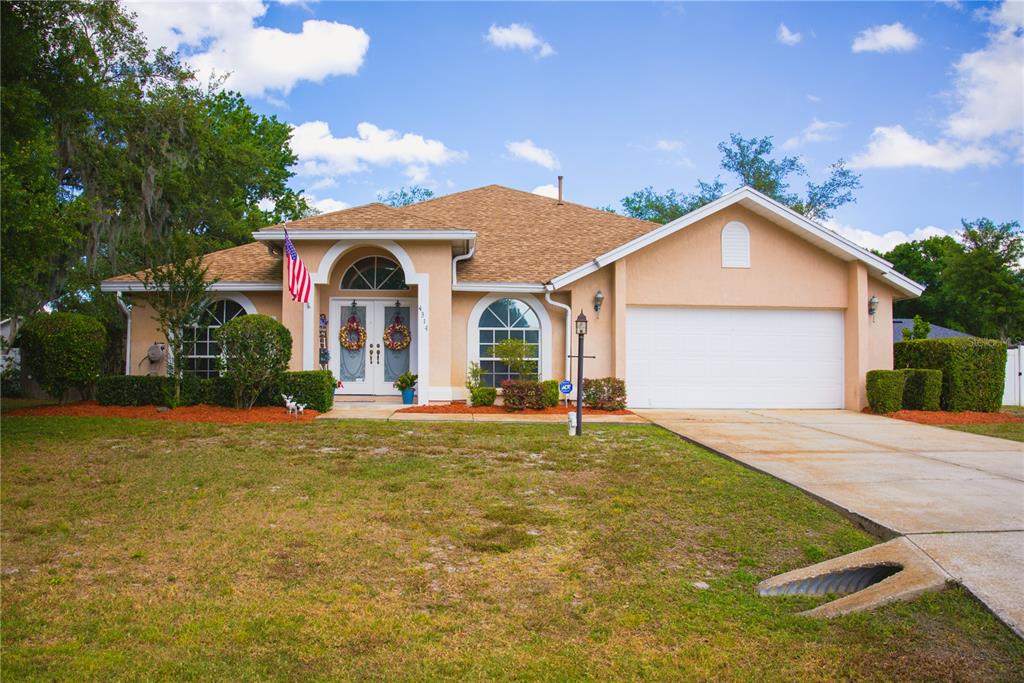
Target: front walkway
{"x": 959, "y": 497}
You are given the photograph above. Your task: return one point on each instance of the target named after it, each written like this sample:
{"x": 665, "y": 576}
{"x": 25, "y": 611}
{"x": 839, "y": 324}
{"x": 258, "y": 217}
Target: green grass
{"x": 367, "y": 550}
{"x": 1010, "y": 430}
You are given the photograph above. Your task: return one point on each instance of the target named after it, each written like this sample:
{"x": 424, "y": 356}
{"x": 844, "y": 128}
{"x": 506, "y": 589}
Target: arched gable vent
{"x": 735, "y": 245}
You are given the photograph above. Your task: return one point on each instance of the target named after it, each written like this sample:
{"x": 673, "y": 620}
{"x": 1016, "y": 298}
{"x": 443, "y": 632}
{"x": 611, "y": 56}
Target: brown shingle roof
{"x": 521, "y": 236}
{"x": 524, "y": 237}
{"x": 246, "y": 263}
{"x": 367, "y": 217}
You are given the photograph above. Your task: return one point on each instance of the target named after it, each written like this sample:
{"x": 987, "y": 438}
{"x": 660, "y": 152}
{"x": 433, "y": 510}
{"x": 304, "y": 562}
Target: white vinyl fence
{"x": 1013, "y": 390}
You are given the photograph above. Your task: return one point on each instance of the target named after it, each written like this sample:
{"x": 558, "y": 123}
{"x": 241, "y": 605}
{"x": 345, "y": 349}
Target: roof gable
{"x": 781, "y": 215}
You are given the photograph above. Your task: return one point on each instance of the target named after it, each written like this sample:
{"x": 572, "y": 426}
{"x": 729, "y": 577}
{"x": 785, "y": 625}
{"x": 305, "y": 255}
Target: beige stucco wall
{"x": 145, "y": 333}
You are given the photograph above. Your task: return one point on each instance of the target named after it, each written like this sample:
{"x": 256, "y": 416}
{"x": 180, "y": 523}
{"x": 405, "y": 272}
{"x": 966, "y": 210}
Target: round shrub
{"x": 482, "y": 396}
{"x": 256, "y": 350}
{"x": 63, "y": 351}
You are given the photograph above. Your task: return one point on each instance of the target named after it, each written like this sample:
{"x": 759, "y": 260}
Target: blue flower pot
{"x": 407, "y": 395}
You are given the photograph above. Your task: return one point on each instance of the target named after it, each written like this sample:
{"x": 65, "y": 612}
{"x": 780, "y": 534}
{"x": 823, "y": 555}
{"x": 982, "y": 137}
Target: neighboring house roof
{"x": 937, "y": 331}
{"x": 248, "y": 263}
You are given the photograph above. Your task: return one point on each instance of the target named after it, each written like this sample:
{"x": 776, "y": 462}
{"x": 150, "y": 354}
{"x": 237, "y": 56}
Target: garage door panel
{"x": 734, "y": 358}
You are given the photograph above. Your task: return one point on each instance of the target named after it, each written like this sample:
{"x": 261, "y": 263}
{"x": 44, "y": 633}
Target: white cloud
{"x": 816, "y": 131}
{"x": 894, "y": 147}
{"x": 548, "y": 190}
{"x": 326, "y": 205}
{"x": 518, "y": 37}
{"x": 813, "y": 98}
{"x": 886, "y": 38}
{"x": 885, "y": 242}
{"x": 668, "y": 145}
{"x": 989, "y": 85}
{"x": 527, "y": 151}
{"x": 787, "y": 37}
{"x": 222, "y": 39}
{"x": 322, "y": 154}
{"x": 323, "y": 184}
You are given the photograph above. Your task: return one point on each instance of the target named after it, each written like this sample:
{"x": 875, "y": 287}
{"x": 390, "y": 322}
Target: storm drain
{"x": 839, "y": 582}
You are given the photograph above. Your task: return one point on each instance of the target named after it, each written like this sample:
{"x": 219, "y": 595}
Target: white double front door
{"x": 372, "y": 368}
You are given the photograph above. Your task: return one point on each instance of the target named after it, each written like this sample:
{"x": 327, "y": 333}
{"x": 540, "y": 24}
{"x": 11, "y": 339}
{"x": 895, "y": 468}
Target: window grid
{"x": 374, "y": 272}
{"x": 204, "y": 352}
{"x": 505, "y": 319}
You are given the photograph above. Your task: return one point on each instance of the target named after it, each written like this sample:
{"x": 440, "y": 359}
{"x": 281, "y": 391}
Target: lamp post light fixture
{"x": 581, "y": 331}
{"x": 598, "y": 302}
{"x": 872, "y": 306}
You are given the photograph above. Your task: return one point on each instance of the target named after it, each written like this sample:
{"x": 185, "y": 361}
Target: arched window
{"x": 506, "y": 319}
{"x": 374, "y": 272}
{"x": 735, "y": 245}
{"x": 203, "y": 349}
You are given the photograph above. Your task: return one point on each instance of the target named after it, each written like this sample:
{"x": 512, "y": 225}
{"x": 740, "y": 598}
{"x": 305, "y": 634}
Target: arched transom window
{"x": 203, "y": 350}
{"x": 374, "y": 272}
{"x": 506, "y": 319}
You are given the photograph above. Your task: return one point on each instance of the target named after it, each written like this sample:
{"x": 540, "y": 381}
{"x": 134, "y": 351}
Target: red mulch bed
{"x": 199, "y": 413}
{"x": 939, "y": 417}
{"x": 462, "y": 408}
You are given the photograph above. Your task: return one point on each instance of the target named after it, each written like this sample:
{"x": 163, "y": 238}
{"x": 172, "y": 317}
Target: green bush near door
{"x": 973, "y": 370}
{"x": 551, "y": 393}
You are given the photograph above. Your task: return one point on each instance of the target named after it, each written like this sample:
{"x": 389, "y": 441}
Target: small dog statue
{"x": 289, "y": 403}
{"x": 300, "y": 408}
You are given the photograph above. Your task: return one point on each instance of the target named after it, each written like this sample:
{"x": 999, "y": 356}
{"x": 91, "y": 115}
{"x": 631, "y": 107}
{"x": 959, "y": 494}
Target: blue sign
{"x": 565, "y": 386}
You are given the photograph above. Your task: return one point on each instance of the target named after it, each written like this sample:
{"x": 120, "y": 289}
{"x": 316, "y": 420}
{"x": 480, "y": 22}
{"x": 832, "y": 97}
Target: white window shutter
{"x": 735, "y": 245}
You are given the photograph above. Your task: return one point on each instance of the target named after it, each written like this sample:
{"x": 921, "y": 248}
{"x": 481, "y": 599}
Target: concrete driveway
{"x": 959, "y": 497}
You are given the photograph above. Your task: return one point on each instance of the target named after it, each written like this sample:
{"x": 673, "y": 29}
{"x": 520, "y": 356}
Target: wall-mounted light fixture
{"x": 872, "y": 306}
{"x": 598, "y": 302}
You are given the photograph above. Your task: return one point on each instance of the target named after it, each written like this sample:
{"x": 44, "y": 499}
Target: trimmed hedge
{"x": 922, "y": 389}
{"x": 519, "y": 394}
{"x": 315, "y": 388}
{"x": 551, "y": 392}
{"x": 973, "y": 370}
{"x": 482, "y": 396}
{"x": 63, "y": 351}
{"x": 605, "y": 393}
{"x": 885, "y": 390}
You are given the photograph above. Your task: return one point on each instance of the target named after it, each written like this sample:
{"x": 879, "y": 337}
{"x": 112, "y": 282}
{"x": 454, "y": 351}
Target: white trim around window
{"x": 473, "y": 325}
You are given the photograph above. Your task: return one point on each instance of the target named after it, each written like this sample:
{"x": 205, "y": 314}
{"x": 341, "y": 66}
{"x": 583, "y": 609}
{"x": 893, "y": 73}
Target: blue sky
{"x": 924, "y": 98}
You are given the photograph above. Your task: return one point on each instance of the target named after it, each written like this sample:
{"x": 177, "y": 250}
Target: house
{"x": 741, "y": 303}
{"x": 936, "y": 331}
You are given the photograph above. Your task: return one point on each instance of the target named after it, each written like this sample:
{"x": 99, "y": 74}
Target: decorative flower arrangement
{"x": 353, "y": 335}
{"x": 397, "y": 336}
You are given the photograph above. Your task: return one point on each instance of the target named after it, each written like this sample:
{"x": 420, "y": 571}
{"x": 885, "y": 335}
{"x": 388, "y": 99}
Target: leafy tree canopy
{"x": 404, "y": 196}
{"x": 107, "y": 145}
{"x": 751, "y": 161}
{"x": 974, "y": 284}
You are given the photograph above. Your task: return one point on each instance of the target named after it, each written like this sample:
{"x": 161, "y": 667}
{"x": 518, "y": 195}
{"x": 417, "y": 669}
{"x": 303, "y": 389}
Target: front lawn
{"x": 1010, "y": 430}
{"x": 389, "y": 551}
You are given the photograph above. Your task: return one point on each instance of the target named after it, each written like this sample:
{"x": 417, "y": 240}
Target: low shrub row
{"x": 605, "y": 393}
{"x": 519, "y": 394}
{"x": 315, "y": 388}
{"x": 973, "y": 370}
{"x": 910, "y": 389}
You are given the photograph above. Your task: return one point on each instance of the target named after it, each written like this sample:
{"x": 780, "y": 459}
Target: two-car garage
{"x": 696, "y": 357}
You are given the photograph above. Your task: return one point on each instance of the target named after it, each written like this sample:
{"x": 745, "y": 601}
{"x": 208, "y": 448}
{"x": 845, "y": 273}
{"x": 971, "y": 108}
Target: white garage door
{"x": 734, "y": 358}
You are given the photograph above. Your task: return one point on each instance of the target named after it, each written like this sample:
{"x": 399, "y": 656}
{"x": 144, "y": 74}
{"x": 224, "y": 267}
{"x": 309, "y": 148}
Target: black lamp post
{"x": 581, "y": 331}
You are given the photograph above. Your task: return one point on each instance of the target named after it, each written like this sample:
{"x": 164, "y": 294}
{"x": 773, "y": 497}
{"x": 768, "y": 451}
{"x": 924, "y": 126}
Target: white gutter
{"x": 137, "y": 286}
{"x": 504, "y": 287}
{"x": 128, "y": 341}
{"x": 568, "y": 326}
{"x": 382, "y": 234}
{"x": 455, "y": 263}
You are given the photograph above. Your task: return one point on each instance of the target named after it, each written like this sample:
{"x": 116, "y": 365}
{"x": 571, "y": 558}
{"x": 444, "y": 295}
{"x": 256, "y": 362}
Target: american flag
{"x": 299, "y": 282}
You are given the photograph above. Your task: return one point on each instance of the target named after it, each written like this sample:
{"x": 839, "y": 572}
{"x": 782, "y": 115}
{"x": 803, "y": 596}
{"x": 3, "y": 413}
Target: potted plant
{"x": 405, "y": 383}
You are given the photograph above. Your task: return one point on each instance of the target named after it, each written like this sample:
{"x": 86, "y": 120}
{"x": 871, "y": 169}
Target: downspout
{"x": 548, "y": 288}
{"x": 128, "y": 341}
{"x": 464, "y": 257}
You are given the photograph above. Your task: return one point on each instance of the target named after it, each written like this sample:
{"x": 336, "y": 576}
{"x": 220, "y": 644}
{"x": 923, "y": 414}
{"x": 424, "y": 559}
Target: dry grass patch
{"x": 417, "y": 552}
